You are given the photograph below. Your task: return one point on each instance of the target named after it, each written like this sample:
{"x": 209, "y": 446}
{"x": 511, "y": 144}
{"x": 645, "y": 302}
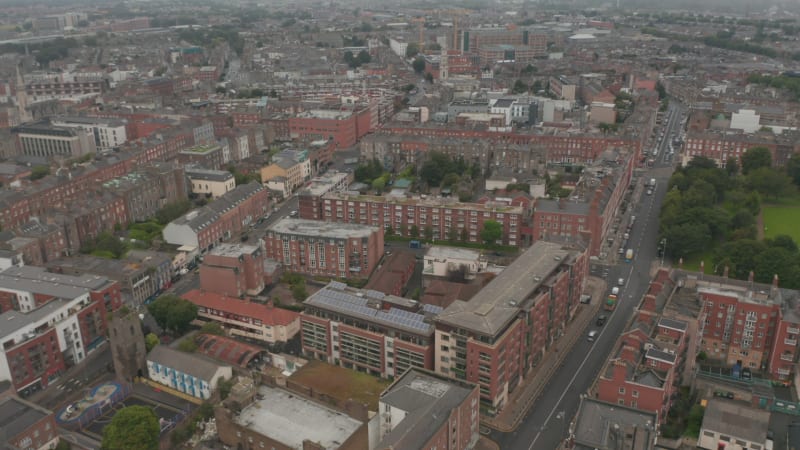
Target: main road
{"x": 548, "y": 421}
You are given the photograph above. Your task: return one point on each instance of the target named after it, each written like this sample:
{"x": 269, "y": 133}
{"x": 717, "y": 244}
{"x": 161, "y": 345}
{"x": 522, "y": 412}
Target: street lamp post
{"x": 663, "y": 250}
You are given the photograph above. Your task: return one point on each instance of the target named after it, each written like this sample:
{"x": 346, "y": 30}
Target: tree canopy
{"x": 709, "y": 208}
{"x": 173, "y": 313}
{"x": 756, "y": 158}
{"x": 491, "y": 232}
{"x": 439, "y": 165}
{"x": 419, "y": 64}
{"x": 132, "y": 428}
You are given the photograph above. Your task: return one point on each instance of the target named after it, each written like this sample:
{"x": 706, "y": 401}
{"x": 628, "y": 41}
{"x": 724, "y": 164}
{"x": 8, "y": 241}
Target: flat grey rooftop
{"x": 196, "y": 365}
{"x": 606, "y": 425}
{"x": 427, "y": 401}
{"x": 207, "y": 174}
{"x": 12, "y": 321}
{"x": 445, "y": 252}
{"x": 17, "y": 415}
{"x": 91, "y": 282}
{"x": 290, "y": 419}
{"x": 491, "y": 309}
{"x": 10, "y": 282}
{"x": 737, "y": 420}
{"x": 320, "y": 229}
{"x": 233, "y": 250}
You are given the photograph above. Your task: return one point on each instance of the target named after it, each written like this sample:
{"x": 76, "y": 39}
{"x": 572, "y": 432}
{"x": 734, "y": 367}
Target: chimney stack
{"x": 775, "y": 281}
{"x": 751, "y": 277}
{"x": 725, "y": 272}
{"x": 703, "y": 267}
{"x": 680, "y": 263}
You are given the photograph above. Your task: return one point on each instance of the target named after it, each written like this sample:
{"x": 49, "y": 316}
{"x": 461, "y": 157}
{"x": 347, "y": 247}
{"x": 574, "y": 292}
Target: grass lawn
{"x": 781, "y": 219}
{"x": 693, "y": 262}
{"x": 341, "y": 383}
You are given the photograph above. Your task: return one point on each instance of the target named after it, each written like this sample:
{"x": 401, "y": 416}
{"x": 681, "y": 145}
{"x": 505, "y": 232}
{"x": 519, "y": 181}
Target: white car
{"x": 615, "y": 290}
{"x": 621, "y": 282}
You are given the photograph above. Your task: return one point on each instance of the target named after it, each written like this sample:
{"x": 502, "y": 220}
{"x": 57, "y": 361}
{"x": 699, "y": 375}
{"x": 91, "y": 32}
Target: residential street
{"x": 547, "y": 423}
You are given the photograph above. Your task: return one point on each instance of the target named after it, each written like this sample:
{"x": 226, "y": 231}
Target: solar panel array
{"x": 357, "y": 306}
{"x": 433, "y": 309}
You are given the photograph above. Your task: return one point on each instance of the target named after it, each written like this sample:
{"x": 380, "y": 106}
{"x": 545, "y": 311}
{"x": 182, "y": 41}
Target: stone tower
{"x": 127, "y": 344}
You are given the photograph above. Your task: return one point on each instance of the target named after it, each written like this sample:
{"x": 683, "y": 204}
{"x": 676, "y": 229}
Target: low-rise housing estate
{"x": 243, "y": 318}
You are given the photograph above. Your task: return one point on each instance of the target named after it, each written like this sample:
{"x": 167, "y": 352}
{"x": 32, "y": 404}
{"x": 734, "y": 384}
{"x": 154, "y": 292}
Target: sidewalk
{"x": 532, "y": 386}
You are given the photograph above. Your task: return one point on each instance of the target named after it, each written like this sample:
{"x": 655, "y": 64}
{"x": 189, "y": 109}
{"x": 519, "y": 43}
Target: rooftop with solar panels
{"x": 375, "y": 307}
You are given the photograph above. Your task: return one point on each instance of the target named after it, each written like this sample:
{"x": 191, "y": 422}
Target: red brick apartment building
{"x": 559, "y": 148}
{"x": 590, "y": 211}
{"x": 102, "y": 290}
{"x": 424, "y": 410}
{"x": 364, "y": 330}
{"x": 757, "y": 325}
{"x": 652, "y": 353}
{"x": 642, "y": 373}
{"x": 52, "y": 327}
{"x": 221, "y": 219}
{"x": 496, "y": 338}
{"x": 234, "y": 270}
{"x": 26, "y": 425}
{"x": 443, "y": 217}
{"x": 343, "y": 127}
{"x": 38, "y": 199}
{"x": 322, "y": 248}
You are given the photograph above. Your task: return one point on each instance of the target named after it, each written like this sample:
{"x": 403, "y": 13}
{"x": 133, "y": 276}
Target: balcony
{"x": 787, "y": 357}
{"x": 782, "y": 371}
{"x": 793, "y": 330}
{"x": 792, "y": 342}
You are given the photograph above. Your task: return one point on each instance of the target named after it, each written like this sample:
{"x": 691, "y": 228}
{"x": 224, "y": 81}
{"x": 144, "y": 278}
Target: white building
{"x": 108, "y": 133}
{"x": 186, "y": 372}
{"x": 398, "y": 47}
{"x": 214, "y": 182}
{"x": 440, "y": 261}
{"x": 10, "y": 258}
{"x": 746, "y": 120}
{"x": 39, "y": 337}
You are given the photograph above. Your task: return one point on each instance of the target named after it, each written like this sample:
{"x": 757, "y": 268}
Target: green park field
{"x": 781, "y": 219}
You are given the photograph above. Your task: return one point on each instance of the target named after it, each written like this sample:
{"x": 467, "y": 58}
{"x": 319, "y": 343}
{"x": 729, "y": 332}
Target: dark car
{"x": 746, "y": 374}
{"x": 601, "y": 320}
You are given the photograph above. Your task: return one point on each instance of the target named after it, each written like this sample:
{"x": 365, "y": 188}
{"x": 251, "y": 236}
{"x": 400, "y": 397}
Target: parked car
{"x": 601, "y": 320}
{"x": 621, "y": 282}
{"x": 746, "y": 374}
{"x": 592, "y": 336}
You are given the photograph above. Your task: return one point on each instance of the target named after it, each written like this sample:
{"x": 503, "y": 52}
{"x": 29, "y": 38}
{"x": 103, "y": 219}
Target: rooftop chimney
{"x": 775, "y": 281}
{"x": 725, "y": 272}
{"x": 751, "y": 277}
{"x": 680, "y": 263}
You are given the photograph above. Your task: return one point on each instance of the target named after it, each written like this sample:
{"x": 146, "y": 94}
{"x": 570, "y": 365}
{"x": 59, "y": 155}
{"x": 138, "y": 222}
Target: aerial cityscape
{"x": 353, "y": 225}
